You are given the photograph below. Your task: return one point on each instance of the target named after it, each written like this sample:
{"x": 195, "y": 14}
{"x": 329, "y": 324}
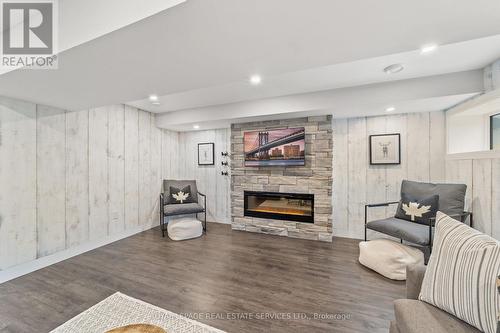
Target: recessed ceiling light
{"x": 255, "y": 79}
{"x": 153, "y": 98}
{"x": 155, "y": 103}
{"x": 394, "y": 68}
{"x": 390, "y": 109}
{"x": 196, "y": 126}
{"x": 429, "y": 48}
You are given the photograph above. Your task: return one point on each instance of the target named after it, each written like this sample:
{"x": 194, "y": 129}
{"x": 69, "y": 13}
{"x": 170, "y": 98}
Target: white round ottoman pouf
{"x": 389, "y": 258}
{"x": 184, "y": 228}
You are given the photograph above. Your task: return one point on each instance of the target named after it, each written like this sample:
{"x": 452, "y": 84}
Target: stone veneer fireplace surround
{"x": 313, "y": 178}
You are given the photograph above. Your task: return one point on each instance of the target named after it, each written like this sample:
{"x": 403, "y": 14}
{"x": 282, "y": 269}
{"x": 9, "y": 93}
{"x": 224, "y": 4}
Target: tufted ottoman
{"x": 184, "y": 228}
{"x": 389, "y": 258}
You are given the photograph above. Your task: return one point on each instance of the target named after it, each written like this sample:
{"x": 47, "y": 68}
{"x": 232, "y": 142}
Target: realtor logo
{"x": 28, "y": 33}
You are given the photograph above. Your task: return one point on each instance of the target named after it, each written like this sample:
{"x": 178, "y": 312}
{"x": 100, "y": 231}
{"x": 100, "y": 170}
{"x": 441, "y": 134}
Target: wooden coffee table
{"x": 138, "y": 328}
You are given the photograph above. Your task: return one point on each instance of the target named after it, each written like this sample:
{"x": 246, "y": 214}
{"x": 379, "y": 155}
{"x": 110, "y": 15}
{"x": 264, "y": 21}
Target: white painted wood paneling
{"x": 98, "y": 173}
{"x": 355, "y": 182}
{"x": 465, "y": 176}
{"x": 77, "y": 178}
{"x": 208, "y": 177}
{"x": 18, "y": 182}
{"x": 437, "y": 144}
{"x": 481, "y": 195}
{"x": 72, "y": 178}
{"x": 358, "y": 163}
{"x": 418, "y": 146}
{"x": 145, "y": 209}
{"x": 131, "y": 152}
{"x": 51, "y": 180}
{"x": 376, "y": 174}
{"x": 116, "y": 169}
{"x": 222, "y": 183}
{"x": 156, "y": 174}
{"x": 495, "y": 198}
{"x": 482, "y": 177}
{"x": 396, "y": 173}
{"x": 340, "y": 182}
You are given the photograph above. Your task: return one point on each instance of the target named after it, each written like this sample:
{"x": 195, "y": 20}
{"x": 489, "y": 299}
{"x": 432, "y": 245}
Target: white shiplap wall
{"x": 482, "y": 176}
{"x": 209, "y": 179}
{"x": 71, "y": 178}
{"x": 356, "y": 182}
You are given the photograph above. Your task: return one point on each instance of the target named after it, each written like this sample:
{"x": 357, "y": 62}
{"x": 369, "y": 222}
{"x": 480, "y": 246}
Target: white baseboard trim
{"x": 31, "y": 266}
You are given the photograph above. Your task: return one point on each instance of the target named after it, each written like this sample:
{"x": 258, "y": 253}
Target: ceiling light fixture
{"x": 393, "y": 69}
{"x": 153, "y": 98}
{"x": 429, "y": 48}
{"x": 255, "y": 79}
{"x": 390, "y": 109}
{"x": 196, "y": 126}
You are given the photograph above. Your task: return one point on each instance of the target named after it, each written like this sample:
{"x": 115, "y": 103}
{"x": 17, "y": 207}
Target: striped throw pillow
{"x": 462, "y": 272}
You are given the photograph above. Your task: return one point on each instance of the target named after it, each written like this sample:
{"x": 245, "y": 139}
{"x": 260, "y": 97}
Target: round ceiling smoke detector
{"x": 393, "y": 69}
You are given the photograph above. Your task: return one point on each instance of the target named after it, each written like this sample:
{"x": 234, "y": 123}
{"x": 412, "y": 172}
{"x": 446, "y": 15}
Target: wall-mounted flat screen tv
{"x": 276, "y": 147}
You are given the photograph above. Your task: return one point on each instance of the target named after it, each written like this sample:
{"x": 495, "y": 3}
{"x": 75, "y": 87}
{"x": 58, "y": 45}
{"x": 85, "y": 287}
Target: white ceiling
{"x": 449, "y": 58}
{"x": 201, "y": 52}
{"x": 430, "y": 93}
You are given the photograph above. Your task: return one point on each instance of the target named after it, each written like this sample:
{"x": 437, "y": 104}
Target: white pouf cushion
{"x": 184, "y": 228}
{"x": 389, "y": 258}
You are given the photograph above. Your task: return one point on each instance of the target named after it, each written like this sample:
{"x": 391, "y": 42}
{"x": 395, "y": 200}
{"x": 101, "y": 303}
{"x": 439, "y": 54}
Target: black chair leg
{"x": 365, "y": 220}
{"x": 205, "y": 222}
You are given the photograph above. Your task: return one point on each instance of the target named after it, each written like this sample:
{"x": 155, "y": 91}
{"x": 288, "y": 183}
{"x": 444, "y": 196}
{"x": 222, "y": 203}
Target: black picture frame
{"x": 207, "y": 144}
{"x": 398, "y": 154}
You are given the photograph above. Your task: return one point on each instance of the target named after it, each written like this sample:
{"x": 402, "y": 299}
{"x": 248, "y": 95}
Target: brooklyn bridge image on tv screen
{"x": 278, "y": 147}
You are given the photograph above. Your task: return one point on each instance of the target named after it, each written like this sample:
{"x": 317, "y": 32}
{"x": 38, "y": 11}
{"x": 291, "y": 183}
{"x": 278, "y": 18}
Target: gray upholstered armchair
{"x": 414, "y": 316}
{"x": 181, "y": 197}
{"x": 451, "y": 202}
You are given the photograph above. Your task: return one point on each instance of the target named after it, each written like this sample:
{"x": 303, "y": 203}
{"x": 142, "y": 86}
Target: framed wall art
{"x": 385, "y": 149}
{"x": 206, "y": 155}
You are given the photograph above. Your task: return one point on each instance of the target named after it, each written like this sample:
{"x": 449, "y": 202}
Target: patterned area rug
{"x": 120, "y": 310}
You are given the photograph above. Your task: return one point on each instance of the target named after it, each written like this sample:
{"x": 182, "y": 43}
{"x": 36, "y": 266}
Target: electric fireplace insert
{"x": 280, "y": 206}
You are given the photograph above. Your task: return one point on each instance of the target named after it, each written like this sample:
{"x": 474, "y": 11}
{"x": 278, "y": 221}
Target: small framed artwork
{"x": 206, "y": 154}
{"x": 385, "y": 149}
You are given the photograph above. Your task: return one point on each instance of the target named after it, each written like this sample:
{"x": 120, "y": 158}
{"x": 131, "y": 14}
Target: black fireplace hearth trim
{"x": 279, "y": 216}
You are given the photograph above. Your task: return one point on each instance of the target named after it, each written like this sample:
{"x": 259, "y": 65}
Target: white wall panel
{"x": 131, "y": 152}
{"x": 77, "y": 178}
{"x": 418, "y": 146}
{"x": 481, "y": 195}
{"x": 51, "y": 180}
{"x": 98, "y": 173}
{"x": 70, "y": 178}
{"x": 356, "y": 182}
{"x": 209, "y": 179}
{"x": 340, "y": 182}
{"x": 145, "y": 209}
{"x": 18, "y": 182}
{"x": 495, "y": 198}
{"x": 357, "y": 145}
{"x": 116, "y": 169}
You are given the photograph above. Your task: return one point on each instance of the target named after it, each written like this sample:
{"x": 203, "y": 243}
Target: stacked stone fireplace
{"x": 311, "y": 184}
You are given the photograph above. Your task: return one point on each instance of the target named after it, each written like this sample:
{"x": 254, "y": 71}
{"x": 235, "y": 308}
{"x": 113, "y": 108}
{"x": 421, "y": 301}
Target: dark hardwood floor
{"x": 223, "y": 272}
